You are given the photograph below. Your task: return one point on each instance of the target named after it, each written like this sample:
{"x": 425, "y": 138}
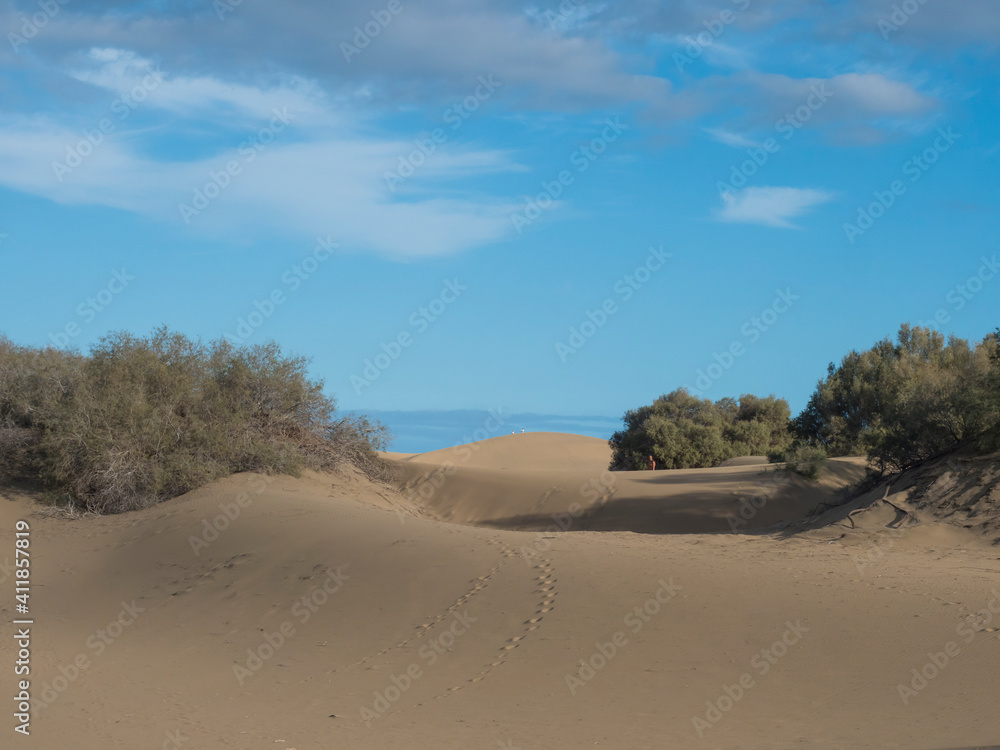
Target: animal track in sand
{"x": 194, "y": 578}
{"x": 935, "y": 598}
{"x": 424, "y": 628}
{"x": 546, "y": 583}
{"x": 545, "y": 498}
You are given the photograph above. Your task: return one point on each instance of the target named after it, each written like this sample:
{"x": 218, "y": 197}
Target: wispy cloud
{"x": 302, "y": 182}
{"x": 729, "y": 138}
{"x": 845, "y": 101}
{"x": 123, "y": 71}
{"x": 770, "y": 206}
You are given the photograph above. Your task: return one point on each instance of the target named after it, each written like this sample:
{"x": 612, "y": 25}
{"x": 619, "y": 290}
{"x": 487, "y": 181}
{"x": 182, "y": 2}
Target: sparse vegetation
{"x": 139, "y": 420}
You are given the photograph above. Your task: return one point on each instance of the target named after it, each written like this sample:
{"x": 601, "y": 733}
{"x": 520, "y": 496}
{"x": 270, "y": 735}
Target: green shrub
{"x": 906, "y": 402}
{"x": 806, "y": 460}
{"x": 140, "y": 420}
{"x": 682, "y": 431}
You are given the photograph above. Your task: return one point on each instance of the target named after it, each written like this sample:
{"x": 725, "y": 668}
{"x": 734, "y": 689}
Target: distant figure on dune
{"x": 522, "y": 430}
{"x": 651, "y": 465}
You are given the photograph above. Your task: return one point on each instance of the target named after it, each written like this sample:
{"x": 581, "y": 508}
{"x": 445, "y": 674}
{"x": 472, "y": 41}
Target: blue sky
{"x": 547, "y": 208}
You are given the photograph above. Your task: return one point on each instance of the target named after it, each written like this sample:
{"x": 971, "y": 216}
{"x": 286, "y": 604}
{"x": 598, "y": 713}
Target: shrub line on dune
{"x": 139, "y": 420}
{"x": 901, "y": 403}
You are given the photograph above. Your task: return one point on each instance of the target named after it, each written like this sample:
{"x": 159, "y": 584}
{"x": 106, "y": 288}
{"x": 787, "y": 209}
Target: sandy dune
{"x": 373, "y": 624}
{"x": 531, "y": 451}
{"x": 532, "y": 481}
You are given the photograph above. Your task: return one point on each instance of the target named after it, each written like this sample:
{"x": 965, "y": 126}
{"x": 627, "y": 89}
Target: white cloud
{"x": 428, "y": 46}
{"x": 716, "y": 53}
{"x": 130, "y": 75}
{"x": 736, "y": 140}
{"x": 852, "y": 107}
{"x": 770, "y": 206}
{"x": 873, "y": 92}
{"x": 331, "y": 184}
{"x": 851, "y": 95}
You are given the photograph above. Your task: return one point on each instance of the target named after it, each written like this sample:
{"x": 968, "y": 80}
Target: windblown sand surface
{"x": 456, "y": 613}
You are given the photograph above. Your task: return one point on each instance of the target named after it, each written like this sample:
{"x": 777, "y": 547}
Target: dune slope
{"x": 521, "y": 452}
{"x": 565, "y": 481}
{"x": 329, "y": 613}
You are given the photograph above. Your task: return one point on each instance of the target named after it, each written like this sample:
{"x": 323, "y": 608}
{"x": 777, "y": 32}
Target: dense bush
{"x": 681, "y": 431}
{"x": 905, "y": 402}
{"x": 900, "y": 403}
{"x": 806, "y": 460}
{"x": 139, "y": 420}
